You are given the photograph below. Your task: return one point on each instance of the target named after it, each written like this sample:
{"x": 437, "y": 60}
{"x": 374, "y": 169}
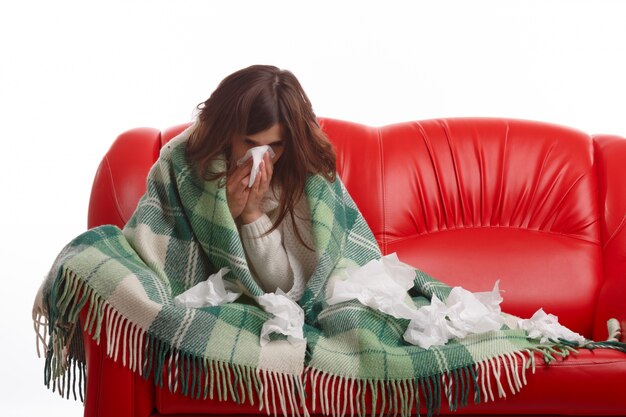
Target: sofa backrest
{"x": 469, "y": 201}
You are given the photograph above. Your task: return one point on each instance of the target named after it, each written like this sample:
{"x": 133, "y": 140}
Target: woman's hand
{"x": 242, "y": 200}
{"x": 237, "y": 188}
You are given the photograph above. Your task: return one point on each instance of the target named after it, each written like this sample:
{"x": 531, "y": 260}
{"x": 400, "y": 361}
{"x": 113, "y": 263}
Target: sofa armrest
{"x": 610, "y": 156}
{"x": 120, "y": 180}
{"x": 112, "y": 389}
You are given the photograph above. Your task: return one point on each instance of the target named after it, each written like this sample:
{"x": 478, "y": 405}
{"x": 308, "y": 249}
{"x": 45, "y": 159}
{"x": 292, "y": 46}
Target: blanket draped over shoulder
{"x": 354, "y": 356}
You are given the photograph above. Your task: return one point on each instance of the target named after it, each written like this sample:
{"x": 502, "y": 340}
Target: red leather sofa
{"x": 540, "y": 207}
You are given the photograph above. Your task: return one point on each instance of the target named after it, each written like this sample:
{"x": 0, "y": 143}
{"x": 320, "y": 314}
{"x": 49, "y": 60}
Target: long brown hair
{"x": 250, "y": 101}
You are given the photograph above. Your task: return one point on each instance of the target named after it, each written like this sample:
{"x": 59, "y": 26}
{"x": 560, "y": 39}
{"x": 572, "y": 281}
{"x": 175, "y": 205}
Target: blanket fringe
{"x": 484, "y": 381}
{"x": 40, "y": 324}
{"x": 274, "y": 392}
{"x": 147, "y": 355}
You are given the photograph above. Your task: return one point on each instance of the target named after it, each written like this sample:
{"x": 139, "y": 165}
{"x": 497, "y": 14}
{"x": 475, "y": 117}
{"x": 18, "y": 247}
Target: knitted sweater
{"x": 279, "y": 259}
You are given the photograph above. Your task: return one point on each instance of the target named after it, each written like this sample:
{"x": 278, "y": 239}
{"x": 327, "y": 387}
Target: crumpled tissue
{"x": 462, "y": 314}
{"x": 256, "y": 154}
{"x": 546, "y": 326}
{"x": 212, "y": 292}
{"x": 381, "y": 284}
{"x": 288, "y": 317}
{"x": 430, "y": 326}
{"x": 474, "y": 312}
{"x": 384, "y": 284}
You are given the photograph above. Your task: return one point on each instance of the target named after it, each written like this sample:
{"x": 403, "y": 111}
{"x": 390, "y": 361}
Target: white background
{"x": 74, "y": 74}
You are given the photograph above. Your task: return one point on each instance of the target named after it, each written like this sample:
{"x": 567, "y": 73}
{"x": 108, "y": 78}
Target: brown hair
{"x": 249, "y": 101}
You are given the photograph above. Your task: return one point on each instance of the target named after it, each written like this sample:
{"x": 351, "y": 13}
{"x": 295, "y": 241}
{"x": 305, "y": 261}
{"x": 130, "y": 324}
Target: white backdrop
{"x": 74, "y": 74}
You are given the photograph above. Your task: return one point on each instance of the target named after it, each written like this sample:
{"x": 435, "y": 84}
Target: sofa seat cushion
{"x": 536, "y": 269}
{"x": 570, "y": 386}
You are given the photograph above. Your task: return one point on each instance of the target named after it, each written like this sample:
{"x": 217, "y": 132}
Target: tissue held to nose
{"x": 256, "y": 154}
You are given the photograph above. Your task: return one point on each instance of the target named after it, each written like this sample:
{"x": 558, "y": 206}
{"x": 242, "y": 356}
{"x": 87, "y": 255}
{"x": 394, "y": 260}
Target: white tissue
{"x": 212, "y": 292}
{"x": 381, "y": 284}
{"x": 462, "y": 314}
{"x": 546, "y": 327}
{"x": 474, "y": 312}
{"x": 256, "y": 154}
{"x": 288, "y": 317}
{"x": 430, "y": 327}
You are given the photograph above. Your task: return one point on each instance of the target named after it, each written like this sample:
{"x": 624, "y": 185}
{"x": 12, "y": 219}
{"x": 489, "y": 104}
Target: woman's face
{"x": 272, "y": 136}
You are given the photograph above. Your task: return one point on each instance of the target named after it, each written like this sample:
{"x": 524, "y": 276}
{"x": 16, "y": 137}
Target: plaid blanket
{"x": 354, "y": 357}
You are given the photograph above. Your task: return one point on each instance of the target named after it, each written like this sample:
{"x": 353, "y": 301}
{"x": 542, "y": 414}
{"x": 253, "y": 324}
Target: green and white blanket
{"x": 354, "y": 358}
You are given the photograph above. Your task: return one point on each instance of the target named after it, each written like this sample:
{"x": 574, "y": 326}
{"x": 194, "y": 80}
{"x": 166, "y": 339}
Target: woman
{"x": 202, "y": 214}
{"x": 256, "y": 106}
{"x": 198, "y": 217}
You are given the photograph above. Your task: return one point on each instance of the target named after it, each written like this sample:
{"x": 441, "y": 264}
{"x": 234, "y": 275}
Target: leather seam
{"x": 615, "y": 233}
{"x": 382, "y": 189}
{"x": 396, "y": 240}
{"x": 100, "y": 382}
{"x": 566, "y": 364}
{"x": 116, "y": 203}
{"x": 601, "y": 216}
{"x": 596, "y": 161}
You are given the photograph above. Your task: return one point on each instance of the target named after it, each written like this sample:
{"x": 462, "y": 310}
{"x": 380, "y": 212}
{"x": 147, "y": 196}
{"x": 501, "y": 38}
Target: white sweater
{"x": 279, "y": 259}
